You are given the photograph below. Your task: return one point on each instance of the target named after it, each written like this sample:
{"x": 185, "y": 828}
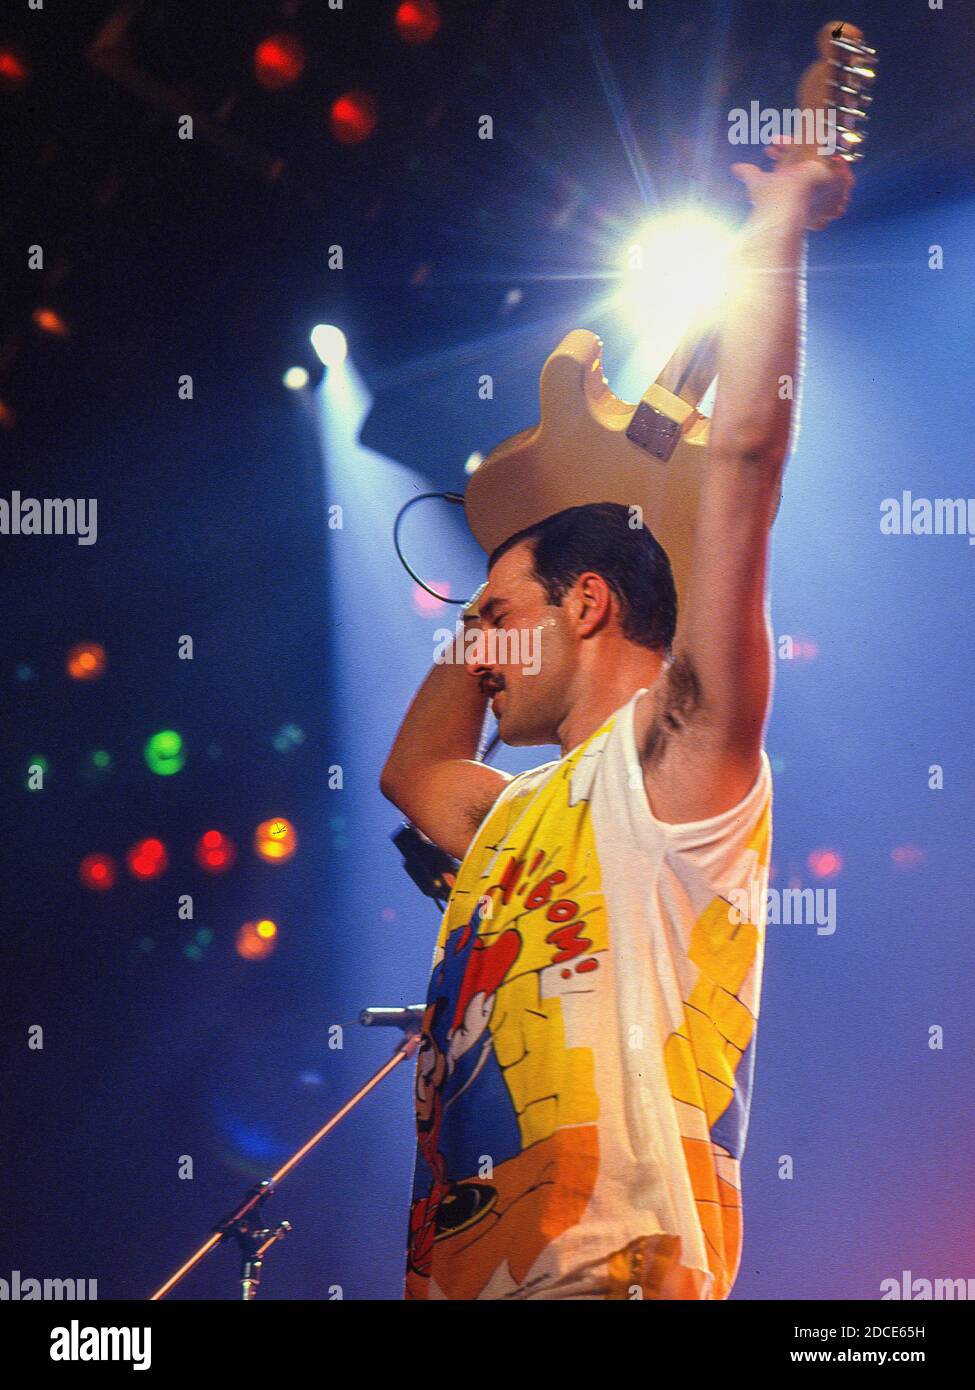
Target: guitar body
{"x": 579, "y": 453}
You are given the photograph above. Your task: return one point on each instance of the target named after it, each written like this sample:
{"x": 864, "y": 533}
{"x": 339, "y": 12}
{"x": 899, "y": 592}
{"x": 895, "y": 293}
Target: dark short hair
{"x": 599, "y": 537}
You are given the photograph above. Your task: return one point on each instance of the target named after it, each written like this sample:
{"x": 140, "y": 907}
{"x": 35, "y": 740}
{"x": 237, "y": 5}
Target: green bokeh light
{"x": 165, "y": 752}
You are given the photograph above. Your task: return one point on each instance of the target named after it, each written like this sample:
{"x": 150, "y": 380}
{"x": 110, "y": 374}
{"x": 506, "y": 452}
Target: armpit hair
{"x": 679, "y": 700}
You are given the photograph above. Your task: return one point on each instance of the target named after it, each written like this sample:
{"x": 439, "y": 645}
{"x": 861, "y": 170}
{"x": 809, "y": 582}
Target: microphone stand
{"x": 245, "y": 1224}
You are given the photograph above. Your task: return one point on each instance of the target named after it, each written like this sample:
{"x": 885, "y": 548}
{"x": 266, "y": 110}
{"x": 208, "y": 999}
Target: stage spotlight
{"x": 98, "y": 872}
{"x": 329, "y": 344}
{"x": 165, "y": 753}
{"x": 676, "y": 273}
{"x": 278, "y": 62}
{"x": 275, "y": 840}
{"x": 215, "y": 851}
{"x": 256, "y": 940}
{"x": 147, "y": 859}
{"x": 295, "y": 378}
{"x": 85, "y": 661}
{"x": 353, "y": 117}
{"x": 417, "y": 21}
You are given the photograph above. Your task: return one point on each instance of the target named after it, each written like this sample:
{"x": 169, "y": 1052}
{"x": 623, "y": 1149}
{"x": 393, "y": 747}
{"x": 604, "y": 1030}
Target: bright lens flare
{"x": 676, "y": 272}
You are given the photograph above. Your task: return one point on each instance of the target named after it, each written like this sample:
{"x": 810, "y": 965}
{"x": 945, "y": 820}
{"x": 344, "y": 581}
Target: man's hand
{"x": 819, "y": 184}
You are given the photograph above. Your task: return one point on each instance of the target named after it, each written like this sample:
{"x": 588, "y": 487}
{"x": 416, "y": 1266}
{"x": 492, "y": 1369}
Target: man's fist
{"x": 822, "y": 183}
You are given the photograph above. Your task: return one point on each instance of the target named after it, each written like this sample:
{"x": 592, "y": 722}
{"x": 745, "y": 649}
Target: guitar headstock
{"x": 838, "y": 85}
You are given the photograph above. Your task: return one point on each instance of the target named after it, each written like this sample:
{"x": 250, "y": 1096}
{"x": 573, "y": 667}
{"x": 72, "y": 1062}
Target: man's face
{"x": 525, "y": 656}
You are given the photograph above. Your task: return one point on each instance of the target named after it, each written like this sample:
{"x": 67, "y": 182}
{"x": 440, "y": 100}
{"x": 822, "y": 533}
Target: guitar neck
{"x": 691, "y": 368}
{"x": 669, "y": 407}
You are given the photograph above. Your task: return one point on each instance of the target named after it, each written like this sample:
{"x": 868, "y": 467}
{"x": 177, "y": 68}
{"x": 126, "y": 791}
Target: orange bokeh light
{"x": 353, "y": 117}
{"x": 275, "y": 840}
{"x": 50, "y": 321}
{"x": 86, "y": 661}
{"x": 256, "y": 940}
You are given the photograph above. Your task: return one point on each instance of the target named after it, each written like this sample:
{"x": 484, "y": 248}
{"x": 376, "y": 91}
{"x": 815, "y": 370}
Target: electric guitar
{"x": 592, "y": 446}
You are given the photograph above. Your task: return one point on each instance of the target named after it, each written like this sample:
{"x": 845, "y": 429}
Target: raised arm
{"x": 700, "y": 730}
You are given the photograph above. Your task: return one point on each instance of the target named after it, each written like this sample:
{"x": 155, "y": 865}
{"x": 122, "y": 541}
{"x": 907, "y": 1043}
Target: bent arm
{"x": 431, "y": 773}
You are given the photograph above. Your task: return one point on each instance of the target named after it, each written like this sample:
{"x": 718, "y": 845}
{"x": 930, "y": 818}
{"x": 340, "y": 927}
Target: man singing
{"x": 585, "y": 1069}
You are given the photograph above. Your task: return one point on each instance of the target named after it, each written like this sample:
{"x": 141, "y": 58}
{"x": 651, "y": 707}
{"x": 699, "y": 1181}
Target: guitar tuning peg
{"x": 856, "y": 92}
{"x": 860, "y": 49}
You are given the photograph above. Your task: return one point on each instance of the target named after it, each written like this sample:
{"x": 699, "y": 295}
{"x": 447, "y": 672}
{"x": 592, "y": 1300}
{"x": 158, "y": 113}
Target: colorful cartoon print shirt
{"x": 585, "y": 1069}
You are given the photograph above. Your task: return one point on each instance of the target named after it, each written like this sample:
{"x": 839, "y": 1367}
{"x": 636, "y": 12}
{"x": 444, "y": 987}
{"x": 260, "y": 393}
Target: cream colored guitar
{"x": 591, "y": 446}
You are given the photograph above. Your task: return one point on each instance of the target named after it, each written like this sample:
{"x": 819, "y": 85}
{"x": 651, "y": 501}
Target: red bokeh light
{"x": 278, "y": 62}
{"x": 215, "y": 851}
{"x": 147, "y": 859}
{"x": 825, "y": 863}
{"x": 14, "y": 70}
{"x": 353, "y": 117}
{"x": 417, "y": 21}
{"x": 908, "y": 856}
{"x": 98, "y": 871}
